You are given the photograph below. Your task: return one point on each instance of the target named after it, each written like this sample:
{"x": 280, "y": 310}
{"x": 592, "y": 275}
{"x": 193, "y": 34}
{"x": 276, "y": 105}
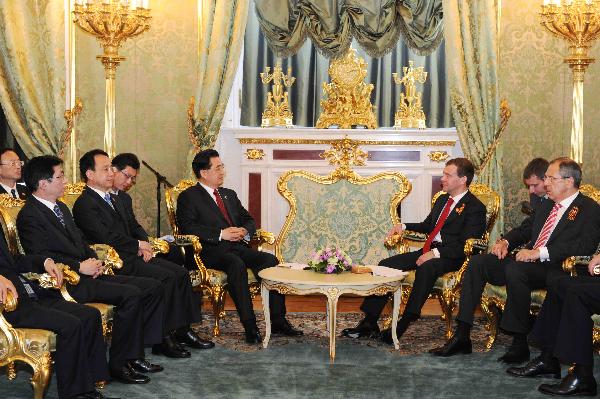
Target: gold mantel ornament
{"x": 578, "y": 22}
{"x": 277, "y": 111}
{"x": 410, "y": 111}
{"x": 111, "y": 22}
{"x": 347, "y": 101}
{"x": 344, "y": 154}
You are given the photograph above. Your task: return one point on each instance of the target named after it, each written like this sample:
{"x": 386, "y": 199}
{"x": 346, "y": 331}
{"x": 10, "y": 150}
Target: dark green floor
{"x": 303, "y": 371}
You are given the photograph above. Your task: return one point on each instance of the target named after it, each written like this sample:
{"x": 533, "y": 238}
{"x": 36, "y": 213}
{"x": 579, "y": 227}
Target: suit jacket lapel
{"x": 210, "y": 202}
{"x": 49, "y": 215}
{"x": 120, "y": 209}
{"x": 562, "y": 223}
{"x": 464, "y": 200}
{"x": 227, "y": 204}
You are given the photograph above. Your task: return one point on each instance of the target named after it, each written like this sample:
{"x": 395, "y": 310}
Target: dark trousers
{"x": 564, "y": 325}
{"x": 520, "y": 278}
{"x": 80, "y": 357}
{"x": 425, "y": 277}
{"x": 127, "y": 341}
{"x": 181, "y": 309}
{"x": 234, "y": 263}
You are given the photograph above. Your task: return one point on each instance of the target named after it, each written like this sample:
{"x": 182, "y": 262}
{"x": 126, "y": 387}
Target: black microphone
{"x": 526, "y": 208}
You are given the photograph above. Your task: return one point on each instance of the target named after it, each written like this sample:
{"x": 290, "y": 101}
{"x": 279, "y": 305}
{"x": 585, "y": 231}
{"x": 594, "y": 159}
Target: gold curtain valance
{"x": 332, "y": 24}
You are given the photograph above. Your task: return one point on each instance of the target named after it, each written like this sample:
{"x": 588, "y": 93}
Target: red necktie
{"x": 548, "y": 225}
{"x": 221, "y": 206}
{"x": 438, "y": 225}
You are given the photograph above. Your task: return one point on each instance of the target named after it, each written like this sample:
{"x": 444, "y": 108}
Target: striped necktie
{"x": 548, "y": 226}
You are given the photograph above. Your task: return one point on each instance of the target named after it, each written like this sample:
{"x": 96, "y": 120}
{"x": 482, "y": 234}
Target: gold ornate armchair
{"x": 493, "y": 298}
{"x": 447, "y": 287}
{"x": 32, "y": 346}
{"x": 9, "y": 209}
{"x": 212, "y": 282}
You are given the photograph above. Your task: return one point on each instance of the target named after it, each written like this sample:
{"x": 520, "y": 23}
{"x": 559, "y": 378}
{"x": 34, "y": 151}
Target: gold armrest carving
{"x": 401, "y": 242}
{"x": 186, "y": 240}
{"x": 569, "y": 264}
{"x": 472, "y": 246}
{"x": 159, "y": 246}
{"x": 8, "y": 305}
{"x": 262, "y": 237}
{"x": 45, "y": 280}
{"x": 109, "y": 257}
{"x": 414, "y": 236}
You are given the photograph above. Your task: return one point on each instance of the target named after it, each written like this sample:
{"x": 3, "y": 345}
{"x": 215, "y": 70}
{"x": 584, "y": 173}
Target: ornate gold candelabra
{"x": 578, "y": 22}
{"x": 347, "y": 99}
{"x": 277, "y": 112}
{"x": 111, "y": 22}
{"x": 410, "y": 111}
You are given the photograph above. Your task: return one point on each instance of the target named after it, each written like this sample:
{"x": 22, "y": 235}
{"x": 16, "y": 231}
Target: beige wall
{"x": 538, "y": 87}
{"x": 154, "y": 85}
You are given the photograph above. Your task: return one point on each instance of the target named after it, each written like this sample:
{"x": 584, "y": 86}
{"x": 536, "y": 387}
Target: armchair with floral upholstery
{"x": 447, "y": 287}
{"x": 213, "y": 282}
{"x": 493, "y": 298}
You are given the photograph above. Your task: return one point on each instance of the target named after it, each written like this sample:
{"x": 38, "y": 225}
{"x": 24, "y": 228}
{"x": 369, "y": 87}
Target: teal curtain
{"x": 471, "y": 36}
{"x": 309, "y": 67}
{"x": 376, "y": 25}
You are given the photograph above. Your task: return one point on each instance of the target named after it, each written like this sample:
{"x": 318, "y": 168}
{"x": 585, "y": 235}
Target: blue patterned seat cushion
{"x": 352, "y": 217}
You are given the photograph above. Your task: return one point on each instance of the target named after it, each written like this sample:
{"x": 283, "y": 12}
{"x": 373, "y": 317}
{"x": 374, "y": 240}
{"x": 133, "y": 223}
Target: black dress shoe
{"x": 285, "y": 328}
{"x": 452, "y": 347}
{"x": 191, "y": 339}
{"x": 170, "y": 348}
{"x": 571, "y": 385}
{"x": 253, "y": 336}
{"x": 515, "y": 355}
{"x": 536, "y": 368}
{"x": 365, "y": 328}
{"x": 144, "y": 366}
{"x": 91, "y": 395}
{"x": 127, "y": 375}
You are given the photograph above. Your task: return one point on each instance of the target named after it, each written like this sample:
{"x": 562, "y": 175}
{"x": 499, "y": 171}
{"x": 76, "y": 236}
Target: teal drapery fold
{"x": 333, "y": 24}
{"x": 222, "y": 32}
{"x": 310, "y": 69}
{"x": 471, "y": 36}
{"x": 32, "y": 73}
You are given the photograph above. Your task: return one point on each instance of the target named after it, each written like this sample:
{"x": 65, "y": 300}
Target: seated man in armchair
{"x": 455, "y": 217}
{"x": 566, "y": 224}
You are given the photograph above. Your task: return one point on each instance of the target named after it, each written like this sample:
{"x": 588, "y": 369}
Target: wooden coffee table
{"x": 305, "y": 282}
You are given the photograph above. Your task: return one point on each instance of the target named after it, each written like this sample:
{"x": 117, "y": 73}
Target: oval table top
{"x": 309, "y": 277}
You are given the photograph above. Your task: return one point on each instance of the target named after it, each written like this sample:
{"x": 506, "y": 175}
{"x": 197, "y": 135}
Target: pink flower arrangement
{"x": 330, "y": 260}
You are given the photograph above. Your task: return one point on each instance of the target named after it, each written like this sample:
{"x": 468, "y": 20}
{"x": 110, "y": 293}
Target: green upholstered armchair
{"x": 213, "y": 282}
{"x": 494, "y": 297}
{"x": 447, "y": 287}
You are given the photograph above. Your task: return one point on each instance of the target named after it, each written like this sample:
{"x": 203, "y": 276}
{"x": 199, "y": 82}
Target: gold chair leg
{"x": 492, "y": 321}
{"x": 11, "y": 372}
{"x": 447, "y": 304}
{"x": 218, "y": 302}
{"x": 41, "y": 376}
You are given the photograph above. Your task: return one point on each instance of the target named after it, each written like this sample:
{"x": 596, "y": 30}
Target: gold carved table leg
{"x": 333, "y": 295}
{"x": 264, "y": 292}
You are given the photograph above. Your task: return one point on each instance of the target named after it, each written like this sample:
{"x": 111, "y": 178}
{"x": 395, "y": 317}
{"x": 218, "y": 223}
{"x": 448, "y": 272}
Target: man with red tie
{"x": 565, "y": 224}
{"x": 456, "y": 216}
{"x": 217, "y": 217}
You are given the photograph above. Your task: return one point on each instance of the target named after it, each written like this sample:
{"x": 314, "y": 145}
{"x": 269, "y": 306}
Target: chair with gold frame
{"x": 9, "y": 209}
{"x": 213, "y": 282}
{"x": 30, "y": 345}
{"x": 493, "y": 298}
{"x": 447, "y": 287}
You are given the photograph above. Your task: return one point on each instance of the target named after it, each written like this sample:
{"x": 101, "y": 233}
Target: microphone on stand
{"x": 160, "y": 179}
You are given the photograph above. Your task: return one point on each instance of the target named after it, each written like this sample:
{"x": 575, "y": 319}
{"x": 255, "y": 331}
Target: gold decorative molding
{"x": 438, "y": 156}
{"x": 255, "y": 153}
{"x": 277, "y": 111}
{"x": 344, "y": 154}
{"x": 348, "y": 97}
{"x": 424, "y": 143}
{"x": 410, "y": 110}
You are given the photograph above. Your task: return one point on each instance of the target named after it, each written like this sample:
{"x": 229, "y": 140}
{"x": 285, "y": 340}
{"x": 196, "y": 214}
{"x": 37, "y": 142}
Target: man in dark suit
{"x": 46, "y": 228}
{"x": 103, "y": 219}
{"x": 455, "y": 217}
{"x": 80, "y": 357}
{"x": 566, "y": 224}
{"x": 533, "y": 179}
{"x": 217, "y": 217}
{"x": 563, "y": 330}
{"x": 10, "y": 174}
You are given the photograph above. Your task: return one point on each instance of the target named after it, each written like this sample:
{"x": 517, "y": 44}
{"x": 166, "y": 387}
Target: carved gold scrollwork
{"x": 348, "y": 98}
{"x": 438, "y": 156}
{"x": 255, "y": 153}
{"x": 344, "y": 154}
{"x": 277, "y": 111}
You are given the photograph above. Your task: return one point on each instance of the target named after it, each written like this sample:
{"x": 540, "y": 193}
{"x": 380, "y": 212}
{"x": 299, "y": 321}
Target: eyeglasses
{"x": 128, "y": 176}
{"x": 554, "y": 178}
{"x": 13, "y": 163}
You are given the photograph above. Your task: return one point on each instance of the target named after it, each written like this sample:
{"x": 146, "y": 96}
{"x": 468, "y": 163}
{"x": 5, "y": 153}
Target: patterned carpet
{"x": 422, "y": 335}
